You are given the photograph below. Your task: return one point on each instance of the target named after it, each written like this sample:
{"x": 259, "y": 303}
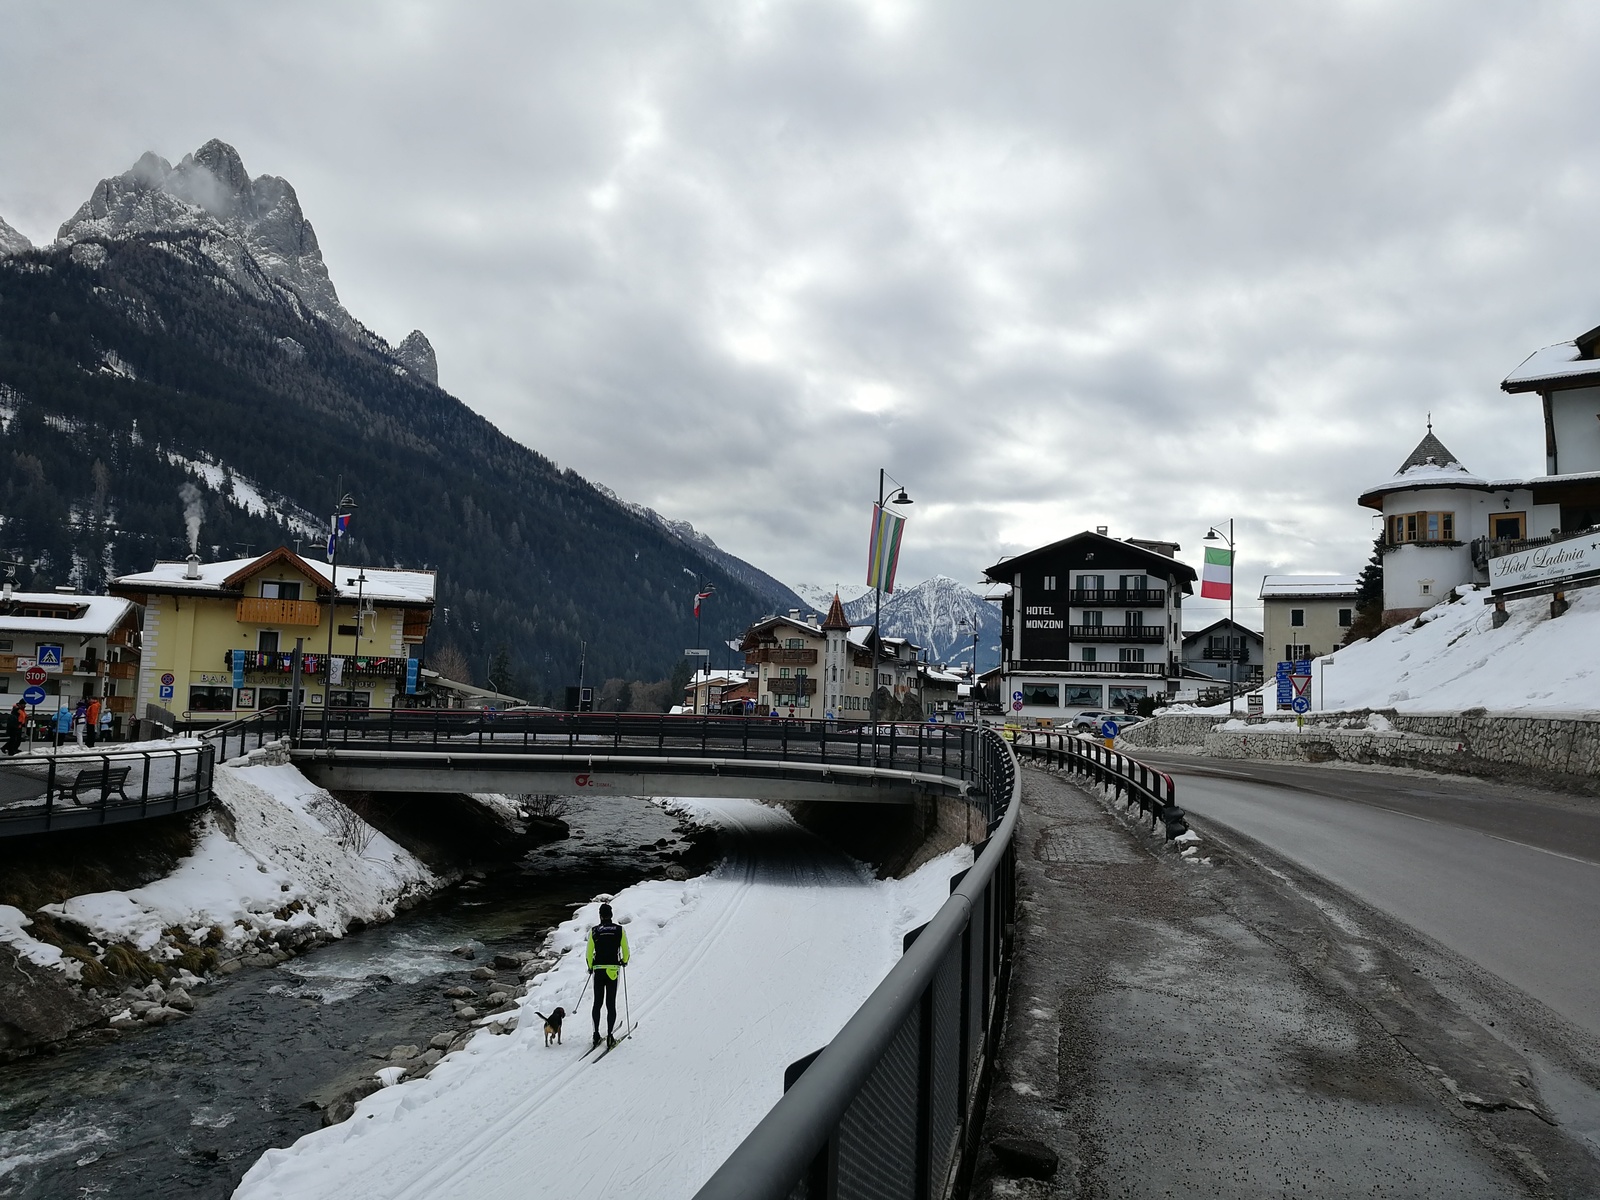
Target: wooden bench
{"x": 108, "y": 781}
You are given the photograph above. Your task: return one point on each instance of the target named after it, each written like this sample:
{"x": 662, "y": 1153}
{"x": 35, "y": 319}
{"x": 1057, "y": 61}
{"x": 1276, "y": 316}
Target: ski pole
{"x": 578, "y": 1007}
{"x": 627, "y": 1009}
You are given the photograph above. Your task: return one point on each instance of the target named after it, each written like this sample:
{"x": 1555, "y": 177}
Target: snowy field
{"x": 1457, "y": 660}
{"x": 735, "y": 975}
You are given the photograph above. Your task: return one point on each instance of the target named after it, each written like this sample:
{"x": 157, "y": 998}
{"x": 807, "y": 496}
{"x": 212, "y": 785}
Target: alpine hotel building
{"x": 1090, "y": 622}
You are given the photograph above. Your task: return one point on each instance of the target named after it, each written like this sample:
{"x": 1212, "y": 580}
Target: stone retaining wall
{"x": 1557, "y": 750}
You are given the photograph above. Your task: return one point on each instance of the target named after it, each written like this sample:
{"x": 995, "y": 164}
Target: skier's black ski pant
{"x": 605, "y": 989}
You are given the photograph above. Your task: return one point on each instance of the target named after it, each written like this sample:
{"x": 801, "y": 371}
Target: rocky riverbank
{"x": 98, "y": 929}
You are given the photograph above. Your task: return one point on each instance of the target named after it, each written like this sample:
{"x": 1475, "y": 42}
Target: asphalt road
{"x": 1507, "y": 877}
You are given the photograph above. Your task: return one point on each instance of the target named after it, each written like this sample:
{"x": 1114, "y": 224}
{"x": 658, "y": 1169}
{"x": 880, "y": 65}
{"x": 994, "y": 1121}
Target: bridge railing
{"x": 1132, "y": 781}
{"x": 947, "y": 750}
{"x": 886, "y": 1108}
{"x": 78, "y": 790}
{"x": 235, "y": 738}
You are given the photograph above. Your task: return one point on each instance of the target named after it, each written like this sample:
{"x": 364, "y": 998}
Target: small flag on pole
{"x": 699, "y": 596}
{"x": 883, "y": 552}
{"x": 1216, "y": 580}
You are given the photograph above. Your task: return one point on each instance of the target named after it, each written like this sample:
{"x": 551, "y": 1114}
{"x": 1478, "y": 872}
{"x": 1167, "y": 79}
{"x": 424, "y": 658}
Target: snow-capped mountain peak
{"x": 252, "y": 228}
{"x": 937, "y": 614}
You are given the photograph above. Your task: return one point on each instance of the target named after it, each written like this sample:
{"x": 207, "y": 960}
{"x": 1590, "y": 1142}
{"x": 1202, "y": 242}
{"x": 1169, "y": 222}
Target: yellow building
{"x": 218, "y": 639}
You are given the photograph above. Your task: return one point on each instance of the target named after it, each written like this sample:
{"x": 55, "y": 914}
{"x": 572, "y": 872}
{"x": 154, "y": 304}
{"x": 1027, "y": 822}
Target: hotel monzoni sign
{"x": 1044, "y": 632}
{"x": 1544, "y": 564}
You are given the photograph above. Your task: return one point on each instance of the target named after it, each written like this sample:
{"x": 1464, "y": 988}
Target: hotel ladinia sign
{"x": 1544, "y": 564}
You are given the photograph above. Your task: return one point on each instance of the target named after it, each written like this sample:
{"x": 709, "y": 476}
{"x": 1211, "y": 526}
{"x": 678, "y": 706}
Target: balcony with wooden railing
{"x": 1117, "y": 596}
{"x": 803, "y": 685}
{"x": 262, "y": 610}
{"x": 1115, "y": 633}
{"x": 779, "y": 657}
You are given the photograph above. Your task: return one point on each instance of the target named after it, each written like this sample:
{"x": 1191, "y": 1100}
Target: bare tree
{"x": 451, "y": 663}
{"x": 346, "y": 824}
{"x": 538, "y": 805}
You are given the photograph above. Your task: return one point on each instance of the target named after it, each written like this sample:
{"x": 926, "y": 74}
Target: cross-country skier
{"x": 607, "y": 954}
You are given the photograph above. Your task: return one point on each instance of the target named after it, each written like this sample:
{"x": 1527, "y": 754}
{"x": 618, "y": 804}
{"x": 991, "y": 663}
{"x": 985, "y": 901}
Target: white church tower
{"x": 835, "y": 660}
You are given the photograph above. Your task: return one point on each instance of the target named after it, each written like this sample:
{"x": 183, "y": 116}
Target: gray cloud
{"x": 1054, "y": 265}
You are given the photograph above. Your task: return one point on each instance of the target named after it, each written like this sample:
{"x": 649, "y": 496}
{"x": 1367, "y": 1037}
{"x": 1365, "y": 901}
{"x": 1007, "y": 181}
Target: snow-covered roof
{"x": 1309, "y": 587}
{"x": 936, "y": 675}
{"x": 99, "y": 615}
{"x": 729, "y": 675}
{"x": 383, "y": 584}
{"x": 1562, "y": 362}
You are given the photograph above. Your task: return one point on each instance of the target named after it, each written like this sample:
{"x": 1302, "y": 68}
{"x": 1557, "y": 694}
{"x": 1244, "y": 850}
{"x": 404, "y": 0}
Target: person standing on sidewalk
{"x": 80, "y": 720}
{"x": 91, "y": 721}
{"x": 63, "y": 723}
{"x": 16, "y": 726}
{"x": 105, "y": 721}
{"x": 606, "y": 954}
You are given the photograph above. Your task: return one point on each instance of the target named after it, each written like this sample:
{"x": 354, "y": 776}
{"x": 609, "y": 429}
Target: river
{"x": 184, "y": 1110}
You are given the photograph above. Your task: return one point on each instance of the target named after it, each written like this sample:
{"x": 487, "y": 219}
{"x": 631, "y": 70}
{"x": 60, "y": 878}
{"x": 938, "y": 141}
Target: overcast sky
{"x": 1052, "y": 265}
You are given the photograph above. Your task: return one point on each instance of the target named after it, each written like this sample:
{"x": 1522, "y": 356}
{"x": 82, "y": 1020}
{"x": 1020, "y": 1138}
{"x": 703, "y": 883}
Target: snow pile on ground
{"x": 734, "y": 976}
{"x": 1452, "y": 658}
{"x": 285, "y": 857}
{"x": 14, "y": 933}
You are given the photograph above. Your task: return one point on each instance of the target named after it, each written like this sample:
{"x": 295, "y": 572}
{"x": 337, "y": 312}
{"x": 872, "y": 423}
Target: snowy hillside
{"x": 1452, "y": 658}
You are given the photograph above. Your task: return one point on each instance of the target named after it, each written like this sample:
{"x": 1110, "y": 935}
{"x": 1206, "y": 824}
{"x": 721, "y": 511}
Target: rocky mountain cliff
{"x": 184, "y": 331}
{"x": 12, "y": 242}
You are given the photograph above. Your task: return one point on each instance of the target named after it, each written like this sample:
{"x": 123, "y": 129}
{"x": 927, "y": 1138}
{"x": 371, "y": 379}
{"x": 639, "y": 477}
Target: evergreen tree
{"x": 1368, "y": 620}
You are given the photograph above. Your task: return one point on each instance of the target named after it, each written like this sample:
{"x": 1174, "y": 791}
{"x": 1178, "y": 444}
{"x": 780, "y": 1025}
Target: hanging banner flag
{"x": 1216, "y": 580}
{"x": 883, "y": 552}
{"x": 413, "y": 668}
{"x": 335, "y": 672}
{"x": 699, "y": 596}
{"x": 339, "y": 523}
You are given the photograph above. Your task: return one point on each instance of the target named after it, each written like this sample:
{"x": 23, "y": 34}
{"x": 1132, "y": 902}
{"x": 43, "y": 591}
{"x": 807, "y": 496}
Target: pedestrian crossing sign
{"x": 49, "y": 656}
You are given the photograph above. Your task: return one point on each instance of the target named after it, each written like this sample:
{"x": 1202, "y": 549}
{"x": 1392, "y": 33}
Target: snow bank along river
{"x": 735, "y": 975}
{"x": 183, "y": 1110}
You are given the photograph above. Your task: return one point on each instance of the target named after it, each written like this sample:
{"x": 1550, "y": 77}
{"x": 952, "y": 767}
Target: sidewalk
{"x": 1216, "y": 1029}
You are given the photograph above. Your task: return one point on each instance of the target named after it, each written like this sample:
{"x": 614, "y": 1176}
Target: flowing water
{"x": 184, "y": 1110}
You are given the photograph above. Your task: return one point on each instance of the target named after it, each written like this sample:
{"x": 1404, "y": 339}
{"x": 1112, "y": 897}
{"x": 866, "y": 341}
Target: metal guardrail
{"x": 887, "y": 1108}
{"x": 1133, "y": 781}
{"x": 234, "y": 738}
{"x": 85, "y": 790}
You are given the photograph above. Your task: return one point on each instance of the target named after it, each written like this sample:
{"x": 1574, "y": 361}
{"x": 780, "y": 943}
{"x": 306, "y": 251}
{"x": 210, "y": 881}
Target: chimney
{"x": 65, "y": 589}
{"x": 192, "y": 569}
{"x": 794, "y": 614}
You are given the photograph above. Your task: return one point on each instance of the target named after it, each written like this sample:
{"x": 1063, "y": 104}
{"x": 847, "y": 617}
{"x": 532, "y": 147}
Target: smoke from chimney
{"x": 194, "y": 511}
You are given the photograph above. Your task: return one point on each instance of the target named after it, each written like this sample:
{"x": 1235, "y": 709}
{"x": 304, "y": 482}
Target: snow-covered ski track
{"x": 733, "y": 976}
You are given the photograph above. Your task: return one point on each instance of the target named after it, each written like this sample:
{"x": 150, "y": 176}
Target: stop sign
{"x": 35, "y": 676}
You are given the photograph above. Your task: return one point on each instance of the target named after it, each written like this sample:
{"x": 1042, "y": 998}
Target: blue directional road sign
{"x": 34, "y": 695}
{"x": 1301, "y": 705}
{"x": 1108, "y": 729}
{"x": 1017, "y": 697}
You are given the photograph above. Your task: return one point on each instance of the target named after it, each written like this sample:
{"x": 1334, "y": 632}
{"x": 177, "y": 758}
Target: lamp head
{"x": 902, "y": 498}
{"x": 1211, "y": 536}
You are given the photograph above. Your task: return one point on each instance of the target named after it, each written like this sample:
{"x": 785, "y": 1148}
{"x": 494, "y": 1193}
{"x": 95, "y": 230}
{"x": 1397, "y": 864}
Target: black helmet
{"x": 605, "y": 912}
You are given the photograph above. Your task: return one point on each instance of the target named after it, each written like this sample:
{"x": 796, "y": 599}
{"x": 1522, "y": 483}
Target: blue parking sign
{"x": 166, "y": 691}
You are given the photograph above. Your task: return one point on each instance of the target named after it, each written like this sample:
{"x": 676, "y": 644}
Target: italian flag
{"x": 1216, "y": 581}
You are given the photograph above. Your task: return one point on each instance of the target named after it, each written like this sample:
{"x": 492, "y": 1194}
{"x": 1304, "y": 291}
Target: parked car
{"x": 1093, "y": 719}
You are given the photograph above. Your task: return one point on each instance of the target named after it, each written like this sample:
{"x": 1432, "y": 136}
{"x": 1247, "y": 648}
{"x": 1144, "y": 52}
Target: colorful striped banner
{"x": 883, "y": 552}
{"x": 1216, "y": 580}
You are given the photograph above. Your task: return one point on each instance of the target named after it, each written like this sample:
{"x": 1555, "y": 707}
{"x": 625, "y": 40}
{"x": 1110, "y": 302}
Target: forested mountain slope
{"x": 131, "y": 365}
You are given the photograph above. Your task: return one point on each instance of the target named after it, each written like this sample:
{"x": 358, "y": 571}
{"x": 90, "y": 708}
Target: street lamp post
{"x": 361, "y": 588}
{"x": 346, "y": 502}
{"x": 1233, "y": 574}
{"x": 877, "y": 601}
